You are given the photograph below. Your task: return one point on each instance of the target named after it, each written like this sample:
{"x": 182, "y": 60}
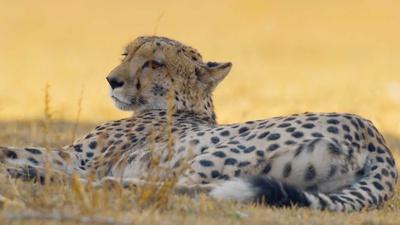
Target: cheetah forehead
{"x": 186, "y": 50}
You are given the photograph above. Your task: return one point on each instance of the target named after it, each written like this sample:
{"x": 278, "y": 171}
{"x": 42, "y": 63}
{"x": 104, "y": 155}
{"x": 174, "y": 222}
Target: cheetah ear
{"x": 212, "y": 73}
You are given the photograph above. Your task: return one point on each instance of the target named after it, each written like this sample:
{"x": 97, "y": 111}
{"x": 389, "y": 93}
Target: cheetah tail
{"x": 31, "y": 163}
{"x": 370, "y": 191}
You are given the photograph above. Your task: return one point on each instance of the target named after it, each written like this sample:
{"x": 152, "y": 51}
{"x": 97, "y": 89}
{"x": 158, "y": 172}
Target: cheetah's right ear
{"x": 212, "y": 73}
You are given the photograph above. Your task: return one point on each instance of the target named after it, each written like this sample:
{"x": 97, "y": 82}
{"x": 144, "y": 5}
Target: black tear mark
{"x": 197, "y": 72}
{"x": 138, "y": 85}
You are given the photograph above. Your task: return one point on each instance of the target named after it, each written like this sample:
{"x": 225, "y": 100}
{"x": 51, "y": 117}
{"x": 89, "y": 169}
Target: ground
{"x": 288, "y": 57}
{"x": 27, "y": 203}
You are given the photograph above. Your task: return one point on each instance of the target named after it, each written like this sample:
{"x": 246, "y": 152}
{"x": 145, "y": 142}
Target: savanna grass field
{"x": 288, "y": 57}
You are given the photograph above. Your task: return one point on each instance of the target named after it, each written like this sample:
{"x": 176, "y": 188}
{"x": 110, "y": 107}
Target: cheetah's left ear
{"x": 213, "y": 73}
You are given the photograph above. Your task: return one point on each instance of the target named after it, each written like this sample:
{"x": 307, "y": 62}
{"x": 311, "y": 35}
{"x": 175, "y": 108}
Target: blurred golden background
{"x": 288, "y": 56}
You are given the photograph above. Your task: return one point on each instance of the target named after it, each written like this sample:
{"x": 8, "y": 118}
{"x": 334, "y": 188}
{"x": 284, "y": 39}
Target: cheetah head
{"x": 158, "y": 70}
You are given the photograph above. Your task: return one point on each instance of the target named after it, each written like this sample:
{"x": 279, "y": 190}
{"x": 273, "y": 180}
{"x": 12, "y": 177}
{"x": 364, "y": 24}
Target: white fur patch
{"x": 236, "y": 190}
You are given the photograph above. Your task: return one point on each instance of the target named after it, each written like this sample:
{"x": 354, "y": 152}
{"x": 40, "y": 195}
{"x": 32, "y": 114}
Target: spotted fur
{"x": 327, "y": 161}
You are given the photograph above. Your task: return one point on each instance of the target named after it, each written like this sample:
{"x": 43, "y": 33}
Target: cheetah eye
{"x": 153, "y": 64}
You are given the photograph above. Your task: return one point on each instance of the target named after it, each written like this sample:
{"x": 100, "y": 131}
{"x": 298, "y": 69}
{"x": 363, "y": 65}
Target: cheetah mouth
{"x": 119, "y": 100}
{"x": 121, "y": 104}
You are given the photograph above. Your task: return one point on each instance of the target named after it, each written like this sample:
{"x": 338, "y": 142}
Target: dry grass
{"x": 288, "y": 56}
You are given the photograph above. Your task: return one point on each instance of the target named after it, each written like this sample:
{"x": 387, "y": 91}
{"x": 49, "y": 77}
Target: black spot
{"x": 274, "y": 136}
{"x": 250, "y": 137}
{"x": 89, "y": 154}
{"x": 158, "y": 90}
{"x": 380, "y": 150}
{"x": 377, "y": 185}
{"x": 358, "y": 195}
{"x": 290, "y": 142}
{"x": 237, "y": 173}
{"x": 230, "y": 161}
{"x": 32, "y": 160}
{"x": 332, "y": 130}
{"x": 310, "y": 173}
{"x": 311, "y": 145}
{"x": 200, "y": 133}
{"x": 243, "y": 129}
{"x": 289, "y": 119}
{"x": 332, "y": 121}
{"x": 263, "y": 135}
{"x": 243, "y": 164}
{"x": 332, "y": 115}
{"x": 313, "y": 118}
{"x": 33, "y": 151}
{"x": 371, "y": 147}
{"x": 297, "y": 134}
{"x": 379, "y": 159}
{"x": 224, "y": 133}
{"x": 282, "y": 125}
{"x": 370, "y": 132}
{"x": 93, "y": 144}
{"x": 390, "y": 161}
{"x": 214, "y": 140}
{"x": 140, "y": 128}
{"x": 206, "y": 163}
{"x": 290, "y": 129}
{"x": 194, "y": 142}
{"x": 385, "y": 172}
{"x": 267, "y": 168}
{"x": 78, "y": 148}
{"x": 348, "y": 137}
{"x": 317, "y": 135}
{"x": 378, "y": 176}
{"x": 260, "y": 153}
{"x": 360, "y": 123}
{"x": 287, "y": 169}
{"x": 234, "y": 150}
{"x": 241, "y": 147}
{"x": 11, "y": 154}
{"x": 298, "y": 151}
{"x": 219, "y": 154}
{"x": 118, "y": 135}
{"x": 346, "y": 128}
{"x": 215, "y": 174}
{"x": 249, "y": 149}
{"x": 273, "y": 147}
{"x": 334, "y": 149}
{"x": 308, "y": 125}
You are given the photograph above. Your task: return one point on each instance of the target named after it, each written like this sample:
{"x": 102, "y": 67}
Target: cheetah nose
{"x": 114, "y": 82}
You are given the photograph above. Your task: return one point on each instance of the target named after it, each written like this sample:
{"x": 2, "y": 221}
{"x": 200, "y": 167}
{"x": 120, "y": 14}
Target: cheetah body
{"x": 331, "y": 161}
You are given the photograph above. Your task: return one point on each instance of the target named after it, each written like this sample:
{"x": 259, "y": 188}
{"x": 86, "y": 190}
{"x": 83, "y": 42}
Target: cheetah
{"x": 326, "y": 161}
